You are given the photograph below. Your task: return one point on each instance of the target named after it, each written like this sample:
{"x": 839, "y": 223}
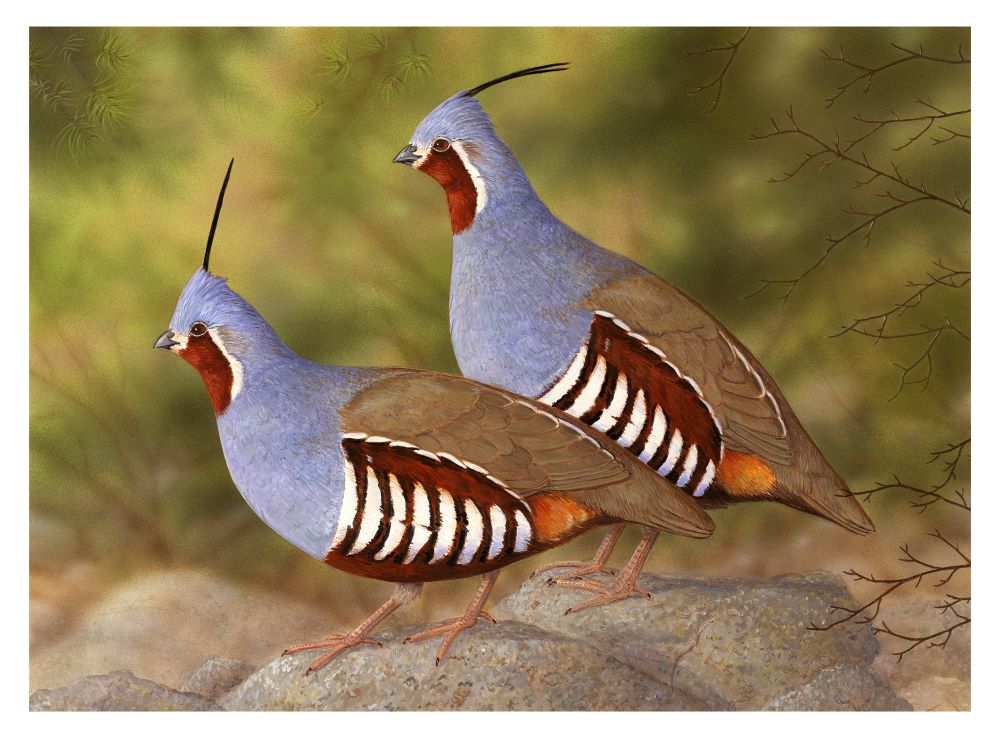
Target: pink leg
{"x": 404, "y": 595}
{"x": 625, "y": 585}
{"x": 581, "y": 568}
{"x": 451, "y": 628}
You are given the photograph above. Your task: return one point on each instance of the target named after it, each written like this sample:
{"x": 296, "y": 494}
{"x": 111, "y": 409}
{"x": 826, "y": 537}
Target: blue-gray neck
{"x": 281, "y": 437}
{"x": 519, "y": 275}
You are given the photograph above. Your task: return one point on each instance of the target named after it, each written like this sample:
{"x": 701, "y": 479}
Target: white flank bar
{"x": 564, "y": 385}
{"x": 371, "y": 516}
{"x": 473, "y": 533}
{"x": 446, "y": 533}
{"x": 522, "y": 537}
{"x": 690, "y": 462}
{"x": 673, "y": 453}
{"x": 498, "y": 529}
{"x": 397, "y": 527}
{"x": 588, "y": 395}
{"x": 635, "y": 421}
{"x": 348, "y": 504}
{"x": 656, "y": 434}
{"x": 706, "y": 479}
{"x": 610, "y": 415}
{"x": 421, "y": 523}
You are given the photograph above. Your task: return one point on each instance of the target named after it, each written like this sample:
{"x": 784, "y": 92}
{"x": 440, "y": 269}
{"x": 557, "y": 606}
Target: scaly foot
{"x": 577, "y": 569}
{"x": 336, "y": 645}
{"x": 606, "y": 593}
{"x": 450, "y": 629}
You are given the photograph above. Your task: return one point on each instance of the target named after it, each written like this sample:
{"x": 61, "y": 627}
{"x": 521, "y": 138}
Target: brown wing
{"x": 741, "y": 396}
{"x": 517, "y": 442}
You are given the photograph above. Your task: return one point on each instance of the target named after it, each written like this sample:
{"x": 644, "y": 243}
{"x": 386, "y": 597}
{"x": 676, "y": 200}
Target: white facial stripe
{"x": 372, "y": 515}
{"x": 348, "y": 506}
{"x": 473, "y": 532}
{"x": 477, "y": 179}
{"x": 182, "y": 342}
{"x": 498, "y": 528}
{"x": 234, "y": 365}
{"x": 446, "y": 532}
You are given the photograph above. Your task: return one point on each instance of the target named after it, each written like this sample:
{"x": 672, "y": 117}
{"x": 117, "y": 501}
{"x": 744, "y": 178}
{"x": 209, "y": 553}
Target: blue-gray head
{"x": 457, "y": 146}
{"x": 215, "y": 330}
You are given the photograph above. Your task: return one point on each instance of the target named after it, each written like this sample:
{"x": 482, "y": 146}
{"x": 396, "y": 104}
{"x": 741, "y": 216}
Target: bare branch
{"x": 841, "y": 154}
{"x": 868, "y": 612}
{"x": 719, "y": 80}
{"x": 951, "y": 457}
{"x": 867, "y": 74}
{"x": 928, "y": 120}
{"x": 865, "y": 227}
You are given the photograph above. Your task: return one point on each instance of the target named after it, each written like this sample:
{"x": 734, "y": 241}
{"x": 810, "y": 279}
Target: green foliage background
{"x": 348, "y": 256}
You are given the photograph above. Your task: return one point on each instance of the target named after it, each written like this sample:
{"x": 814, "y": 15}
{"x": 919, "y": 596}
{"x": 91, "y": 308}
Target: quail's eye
{"x": 198, "y": 329}
{"x": 441, "y": 145}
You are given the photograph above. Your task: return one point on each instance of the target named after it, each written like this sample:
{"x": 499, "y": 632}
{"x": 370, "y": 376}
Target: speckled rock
{"x": 741, "y": 642}
{"x": 217, "y": 676}
{"x": 844, "y": 687}
{"x": 119, "y": 690}
{"x": 929, "y": 678}
{"x": 510, "y": 666}
{"x": 163, "y": 625}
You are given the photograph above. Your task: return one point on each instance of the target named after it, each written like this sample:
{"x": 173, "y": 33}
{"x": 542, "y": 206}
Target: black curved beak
{"x": 407, "y": 155}
{"x": 166, "y": 340}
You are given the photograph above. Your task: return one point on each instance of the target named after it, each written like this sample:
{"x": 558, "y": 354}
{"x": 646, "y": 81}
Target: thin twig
{"x": 719, "y": 80}
{"x": 867, "y": 74}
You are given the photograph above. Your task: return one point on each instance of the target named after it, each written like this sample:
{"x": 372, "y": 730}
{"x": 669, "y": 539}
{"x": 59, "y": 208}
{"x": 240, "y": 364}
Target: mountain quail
{"x": 402, "y": 475}
{"x": 543, "y": 311}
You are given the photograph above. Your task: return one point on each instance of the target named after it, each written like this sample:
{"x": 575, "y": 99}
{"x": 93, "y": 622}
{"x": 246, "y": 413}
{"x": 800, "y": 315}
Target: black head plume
{"x": 541, "y": 69}
{"x": 215, "y": 218}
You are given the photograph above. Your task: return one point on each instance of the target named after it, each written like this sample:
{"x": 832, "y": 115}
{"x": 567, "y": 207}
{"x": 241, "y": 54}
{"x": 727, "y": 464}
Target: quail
{"x": 401, "y": 475}
{"x": 541, "y": 310}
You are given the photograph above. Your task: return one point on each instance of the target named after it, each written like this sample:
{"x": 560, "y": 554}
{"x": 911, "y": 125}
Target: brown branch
{"x": 948, "y": 277}
{"x": 929, "y": 121}
{"x": 838, "y": 153}
{"x": 952, "y": 135}
{"x": 868, "y": 612}
{"x": 865, "y": 226}
{"x": 866, "y": 74}
{"x": 719, "y": 80}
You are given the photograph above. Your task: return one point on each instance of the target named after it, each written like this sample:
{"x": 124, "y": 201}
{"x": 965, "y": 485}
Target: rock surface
{"x": 216, "y": 676}
{"x": 161, "y": 625}
{"x": 510, "y": 666}
{"x": 738, "y": 642}
{"x": 698, "y": 644}
{"x": 120, "y": 690}
{"x": 929, "y": 678}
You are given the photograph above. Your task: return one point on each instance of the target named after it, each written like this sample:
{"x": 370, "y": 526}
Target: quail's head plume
{"x": 540, "y": 309}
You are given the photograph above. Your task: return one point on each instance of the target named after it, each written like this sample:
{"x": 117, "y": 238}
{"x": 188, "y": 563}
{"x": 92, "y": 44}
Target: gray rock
{"x": 120, "y": 690}
{"x": 738, "y": 642}
{"x": 929, "y": 678}
{"x": 217, "y": 676}
{"x": 160, "y": 625}
{"x": 845, "y": 687}
{"x": 510, "y": 666}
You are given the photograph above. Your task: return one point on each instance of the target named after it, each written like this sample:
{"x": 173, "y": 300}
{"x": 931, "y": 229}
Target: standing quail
{"x": 402, "y": 475}
{"x": 539, "y": 309}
